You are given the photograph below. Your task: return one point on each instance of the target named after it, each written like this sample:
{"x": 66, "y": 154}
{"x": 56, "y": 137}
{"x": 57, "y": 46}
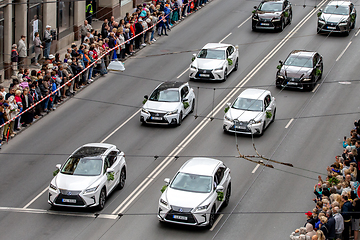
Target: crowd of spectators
{"x": 337, "y": 204}
{"x": 31, "y": 86}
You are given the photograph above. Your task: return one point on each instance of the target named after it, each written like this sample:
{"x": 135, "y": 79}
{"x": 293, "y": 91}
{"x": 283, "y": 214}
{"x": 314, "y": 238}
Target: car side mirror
{"x": 194, "y": 54}
{"x": 268, "y": 109}
{"x": 167, "y": 181}
{"x": 237, "y": 46}
{"x": 255, "y": 7}
{"x": 228, "y": 104}
{"x": 185, "y": 100}
{"x": 281, "y": 62}
{"x": 219, "y": 188}
{"x": 110, "y": 170}
{"x": 318, "y": 65}
{"x": 58, "y": 166}
{"x": 146, "y": 97}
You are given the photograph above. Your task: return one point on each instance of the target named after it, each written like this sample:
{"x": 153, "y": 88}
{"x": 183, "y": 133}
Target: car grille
{"x": 329, "y": 26}
{"x": 182, "y": 212}
{"x": 265, "y": 23}
{"x": 204, "y": 71}
{"x": 155, "y": 114}
{"x": 240, "y": 126}
{"x": 79, "y": 201}
{"x": 69, "y": 193}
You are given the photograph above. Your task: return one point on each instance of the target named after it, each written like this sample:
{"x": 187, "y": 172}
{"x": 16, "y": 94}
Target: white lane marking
{"x": 225, "y": 37}
{"x": 216, "y": 222}
{"x": 34, "y": 199}
{"x": 183, "y": 72}
{"x": 287, "y": 125}
{"x": 342, "y": 53}
{"x": 127, "y": 120}
{"x": 43, "y": 211}
{"x": 122, "y": 207}
{"x": 317, "y": 85}
{"x": 256, "y": 167}
{"x": 357, "y": 32}
{"x": 244, "y": 22}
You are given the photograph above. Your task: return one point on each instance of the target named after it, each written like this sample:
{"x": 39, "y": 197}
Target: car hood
{"x": 208, "y": 63}
{"x": 185, "y": 199}
{"x": 243, "y": 115}
{"x": 333, "y": 18}
{"x": 295, "y": 72}
{"x": 156, "y": 106}
{"x": 74, "y": 183}
{"x": 268, "y": 15}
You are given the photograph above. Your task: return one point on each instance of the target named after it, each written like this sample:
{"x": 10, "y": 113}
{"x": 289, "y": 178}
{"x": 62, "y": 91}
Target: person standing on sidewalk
{"x": 47, "y": 39}
{"x": 38, "y": 47}
{"x": 14, "y": 59}
{"x": 84, "y": 29}
{"x": 22, "y": 50}
{"x": 89, "y": 12}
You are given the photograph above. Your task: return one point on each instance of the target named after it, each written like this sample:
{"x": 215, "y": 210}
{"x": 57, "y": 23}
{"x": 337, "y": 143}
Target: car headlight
{"x": 322, "y": 21}
{"x": 53, "y": 187}
{"x": 163, "y": 202}
{"x": 172, "y": 112}
{"x": 343, "y": 23}
{"x": 255, "y": 121}
{"x": 90, "y": 190}
{"x": 145, "y": 111}
{"x": 276, "y": 19}
{"x": 228, "y": 118}
{"x": 218, "y": 69}
{"x": 306, "y": 79}
{"x": 256, "y": 18}
{"x": 193, "y": 67}
{"x": 280, "y": 76}
{"x": 203, "y": 207}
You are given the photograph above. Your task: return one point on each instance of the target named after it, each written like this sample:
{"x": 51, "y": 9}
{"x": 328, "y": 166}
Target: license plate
{"x": 292, "y": 83}
{"x": 69, "y": 200}
{"x": 156, "y": 118}
{"x": 331, "y": 27}
{"x": 180, "y": 217}
{"x": 204, "y": 75}
{"x": 265, "y": 24}
{"x": 240, "y": 127}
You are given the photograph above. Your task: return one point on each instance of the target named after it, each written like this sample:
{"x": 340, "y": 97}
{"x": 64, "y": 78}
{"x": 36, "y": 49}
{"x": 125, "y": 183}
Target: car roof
{"x": 303, "y": 53}
{"x": 346, "y": 3}
{"x": 272, "y": 1}
{"x": 254, "y": 93}
{"x": 93, "y": 149}
{"x": 200, "y": 166}
{"x": 221, "y": 46}
{"x": 170, "y": 84}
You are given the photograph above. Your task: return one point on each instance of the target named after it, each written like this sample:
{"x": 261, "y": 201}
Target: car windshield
{"x": 192, "y": 183}
{"x": 270, "y": 7}
{"x": 248, "y": 104}
{"x": 298, "y": 61}
{"x": 82, "y": 166}
{"x": 336, "y": 9}
{"x": 212, "y": 54}
{"x": 165, "y": 95}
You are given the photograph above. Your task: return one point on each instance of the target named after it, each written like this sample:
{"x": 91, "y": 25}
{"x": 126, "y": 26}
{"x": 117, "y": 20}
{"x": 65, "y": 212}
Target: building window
{"x": 65, "y": 17}
{"x": 2, "y": 38}
{"x": 35, "y": 24}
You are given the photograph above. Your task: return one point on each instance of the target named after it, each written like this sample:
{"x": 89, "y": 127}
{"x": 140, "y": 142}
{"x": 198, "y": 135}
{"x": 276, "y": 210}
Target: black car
{"x": 301, "y": 69}
{"x": 272, "y": 14}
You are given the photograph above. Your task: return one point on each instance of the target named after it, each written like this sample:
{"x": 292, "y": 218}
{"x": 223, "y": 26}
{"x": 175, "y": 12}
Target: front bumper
{"x": 67, "y": 198}
{"x": 333, "y": 27}
{"x": 183, "y": 216}
{"x": 206, "y": 74}
{"x": 288, "y": 83}
{"x": 158, "y": 118}
{"x": 242, "y": 127}
{"x": 266, "y": 24}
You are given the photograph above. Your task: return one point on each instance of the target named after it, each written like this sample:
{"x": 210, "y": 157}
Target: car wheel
{"x": 227, "y": 197}
{"x": 225, "y": 75}
{"x": 212, "y": 218}
{"x": 282, "y": 25}
{"x": 122, "y": 179}
{"x": 192, "y": 106}
{"x": 102, "y": 199}
{"x": 180, "y": 118}
{"x": 322, "y": 68}
{"x": 191, "y": 79}
{"x": 353, "y": 24}
{"x": 263, "y": 130}
{"x": 347, "y": 32}
{"x": 278, "y": 86}
{"x": 236, "y": 65}
{"x": 253, "y": 28}
{"x": 273, "y": 119}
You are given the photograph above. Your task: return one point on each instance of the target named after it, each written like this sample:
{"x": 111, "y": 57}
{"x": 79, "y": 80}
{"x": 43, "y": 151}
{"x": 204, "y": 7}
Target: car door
{"x": 230, "y": 51}
{"x": 317, "y": 66}
{"x": 286, "y": 11}
{"x": 268, "y": 107}
{"x": 220, "y": 178}
{"x": 111, "y": 162}
{"x": 185, "y": 96}
{"x": 352, "y": 14}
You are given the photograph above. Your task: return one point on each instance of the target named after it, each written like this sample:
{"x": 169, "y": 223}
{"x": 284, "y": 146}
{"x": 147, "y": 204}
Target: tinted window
{"x": 165, "y": 95}
{"x": 184, "y": 92}
{"x": 192, "y": 183}
{"x": 212, "y": 54}
{"x": 248, "y": 104}
{"x": 270, "y": 6}
{"x": 219, "y": 175}
{"x": 299, "y": 61}
{"x": 336, "y": 9}
{"x": 112, "y": 157}
{"x": 82, "y": 166}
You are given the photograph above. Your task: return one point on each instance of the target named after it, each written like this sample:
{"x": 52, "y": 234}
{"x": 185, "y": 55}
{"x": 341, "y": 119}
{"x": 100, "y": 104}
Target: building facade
{"x": 26, "y": 17}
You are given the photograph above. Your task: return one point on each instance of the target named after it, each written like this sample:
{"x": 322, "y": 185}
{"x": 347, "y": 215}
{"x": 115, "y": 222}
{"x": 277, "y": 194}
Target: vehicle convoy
{"x": 251, "y": 112}
{"x": 215, "y": 61}
{"x": 301, "y": 69}
{"x": 337, "y": 17}
{"x": 88, "y": 176}
{"x": 196, "y": 193}
{"x": 272, "y": 15}
{"x": 169, "y": 103}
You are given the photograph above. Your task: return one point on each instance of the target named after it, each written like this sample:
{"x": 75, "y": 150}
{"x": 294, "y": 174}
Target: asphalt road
{"x": 263, "y": 200}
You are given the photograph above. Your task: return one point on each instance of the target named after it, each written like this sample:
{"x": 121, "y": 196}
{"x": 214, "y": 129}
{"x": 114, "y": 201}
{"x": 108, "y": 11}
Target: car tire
{"x": 227, "y": 196}
{"x": 263, "y": 130}
{"x": 278, "y": 86}
{"x": 192, "y": 106}
{"x": 225, "y": 75}
{"x": 236, "y": 65}
{"x": 211, "y": 218}
{"x": 322, "y": 69}
{"x": 254, "y": 28}
{"x": 273, "y": 119}
{"x": 282, "y": 26}
{"x": 353, "y": 24}
{"x": 191, "y": 79}
{"x": 347, "y": 32}
{"x": 290, "y": 18}
{"x": 122, "y": 179}
{"x": 180, "y": 119}
{"x": 102, "y": 199}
